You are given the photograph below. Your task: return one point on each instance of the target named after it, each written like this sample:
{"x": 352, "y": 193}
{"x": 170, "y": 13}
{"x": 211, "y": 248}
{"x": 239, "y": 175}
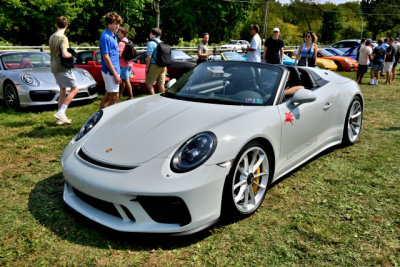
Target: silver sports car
{"x": 26, "y": 80}
{"x": 207, "y": 148}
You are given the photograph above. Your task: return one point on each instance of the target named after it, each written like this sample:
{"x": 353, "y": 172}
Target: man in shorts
{"x": 377, "y": 62}
{"x": 65, "y": 78}
{"x": 125, "y": 65}
{"x": 364, "y": 58}
{"x": 391, "y": 51}
{"x": 154, "y": 73}
{"x": 110, "y": 69}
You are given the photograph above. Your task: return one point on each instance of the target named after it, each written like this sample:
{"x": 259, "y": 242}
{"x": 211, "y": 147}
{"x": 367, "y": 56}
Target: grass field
{"x": 342, "y": 208}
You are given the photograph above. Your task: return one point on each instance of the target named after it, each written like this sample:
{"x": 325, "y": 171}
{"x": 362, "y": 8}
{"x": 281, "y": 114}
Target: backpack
{"x": 379, "y": 54}
{"x": 129, "y": 52}
{"x": 163, "y": 54}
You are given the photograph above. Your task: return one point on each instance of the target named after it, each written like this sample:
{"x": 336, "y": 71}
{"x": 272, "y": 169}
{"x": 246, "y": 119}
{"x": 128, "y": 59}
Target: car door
{"x": 305, "y": 127}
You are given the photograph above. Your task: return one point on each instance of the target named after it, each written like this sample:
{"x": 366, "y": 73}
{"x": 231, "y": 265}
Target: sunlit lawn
{"x": 342, "y": 208}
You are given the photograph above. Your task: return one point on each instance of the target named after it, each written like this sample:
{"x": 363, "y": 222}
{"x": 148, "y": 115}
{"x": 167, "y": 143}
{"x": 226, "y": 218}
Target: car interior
{"x": 300, "y": 76}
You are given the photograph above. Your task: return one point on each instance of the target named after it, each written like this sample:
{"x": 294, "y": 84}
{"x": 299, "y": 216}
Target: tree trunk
{"x": 156, "y": 4}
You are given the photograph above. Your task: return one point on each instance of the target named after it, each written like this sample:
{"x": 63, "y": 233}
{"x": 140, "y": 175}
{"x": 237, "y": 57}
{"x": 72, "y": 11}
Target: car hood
{"x": 143, "y": 129}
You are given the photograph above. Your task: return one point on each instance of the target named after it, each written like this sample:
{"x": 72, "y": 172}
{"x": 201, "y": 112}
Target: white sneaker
{"x": 58, "y": 122}
{"x": 62, "y": 117}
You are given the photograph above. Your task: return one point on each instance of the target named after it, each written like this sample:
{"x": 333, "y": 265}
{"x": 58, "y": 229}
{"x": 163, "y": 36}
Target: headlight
{"x": 29, "y": 79}
{"x": 89, "y": 124}
{"x": 194, "y": 152}
{"x": 87, "y": 74}
{"x": 348, "y": 61}
{"x": 131, "y": 74}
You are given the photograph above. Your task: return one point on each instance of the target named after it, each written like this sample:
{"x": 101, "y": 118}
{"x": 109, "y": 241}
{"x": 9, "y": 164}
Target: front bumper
{"x": 145, "y": 199}
{"x": 37, "y": 97}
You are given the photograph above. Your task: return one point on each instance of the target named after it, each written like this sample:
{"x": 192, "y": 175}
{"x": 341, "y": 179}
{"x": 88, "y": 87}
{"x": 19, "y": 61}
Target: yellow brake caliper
{"x": 257, "y": 180}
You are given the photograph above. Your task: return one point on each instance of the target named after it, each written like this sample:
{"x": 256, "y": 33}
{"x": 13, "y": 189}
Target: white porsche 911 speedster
{"x": 209, "y": 147}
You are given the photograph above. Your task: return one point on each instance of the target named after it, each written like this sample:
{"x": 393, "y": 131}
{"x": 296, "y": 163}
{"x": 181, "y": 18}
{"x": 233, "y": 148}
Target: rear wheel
{"x": 11, "y": 96}
{"x": 353, "y": 123}
{"x": 247, "y": 182}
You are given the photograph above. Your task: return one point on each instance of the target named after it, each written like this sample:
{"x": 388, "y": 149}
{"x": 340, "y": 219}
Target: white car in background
{"x": 235, "y": 45}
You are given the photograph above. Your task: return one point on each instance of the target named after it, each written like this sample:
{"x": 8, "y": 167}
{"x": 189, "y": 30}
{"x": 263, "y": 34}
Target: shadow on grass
{"x": 50, "y": 129}
{"x": 390, "y": 129}
{"x": 37, "y": 109}
{"x": 46, "y": 205}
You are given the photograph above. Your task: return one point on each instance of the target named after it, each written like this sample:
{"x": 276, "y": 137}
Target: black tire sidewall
{"x": 229, "y": 209}
{"x": 346, "y": 140}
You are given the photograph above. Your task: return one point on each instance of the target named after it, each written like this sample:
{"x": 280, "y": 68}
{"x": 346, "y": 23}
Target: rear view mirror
{"x": 302, "y": 96}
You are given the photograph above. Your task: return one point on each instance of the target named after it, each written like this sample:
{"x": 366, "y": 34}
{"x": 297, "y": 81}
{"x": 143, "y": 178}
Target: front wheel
{"x": 352, "y": 127}
{"x": 247, "y": 182}
{"x": 11, "y": 96}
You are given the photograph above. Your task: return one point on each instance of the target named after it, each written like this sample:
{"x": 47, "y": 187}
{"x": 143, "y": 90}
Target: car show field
{"x": 340, "y": 208}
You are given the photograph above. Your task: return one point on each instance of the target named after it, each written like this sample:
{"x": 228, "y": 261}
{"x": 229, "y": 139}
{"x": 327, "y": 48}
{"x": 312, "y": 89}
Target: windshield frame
{"x": 44, "y": 58}
{"x": 209, "y": 83}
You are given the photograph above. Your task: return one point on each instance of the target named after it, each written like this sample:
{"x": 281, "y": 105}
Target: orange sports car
{"x": 343, "y": 63}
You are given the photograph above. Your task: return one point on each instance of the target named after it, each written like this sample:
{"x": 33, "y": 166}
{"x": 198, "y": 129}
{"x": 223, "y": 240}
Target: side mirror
{"x": 302, "y": 96}
{"x": 171, "y": 83}
{"x": 92, "y": 63}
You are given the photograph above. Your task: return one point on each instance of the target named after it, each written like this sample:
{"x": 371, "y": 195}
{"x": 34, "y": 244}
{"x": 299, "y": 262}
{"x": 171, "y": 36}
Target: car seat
{"x": 26, "y": 63}
{"x": 243, "y": 78}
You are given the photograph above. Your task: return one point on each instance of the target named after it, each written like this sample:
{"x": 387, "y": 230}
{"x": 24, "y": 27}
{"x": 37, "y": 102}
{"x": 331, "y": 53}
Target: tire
{"x": 245, "y": 186}
{"x": 11, "y": 96}
{"x": 339, "y": 66}
{"x": 353, "y": 122}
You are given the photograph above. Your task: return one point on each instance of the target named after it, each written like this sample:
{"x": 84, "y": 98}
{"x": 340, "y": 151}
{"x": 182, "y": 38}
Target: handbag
{"x": 68, "y": 62}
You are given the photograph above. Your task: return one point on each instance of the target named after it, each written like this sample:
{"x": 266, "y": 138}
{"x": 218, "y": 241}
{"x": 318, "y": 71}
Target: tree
{"x": 381, "y": 16}
{"x": 32, "y": 22}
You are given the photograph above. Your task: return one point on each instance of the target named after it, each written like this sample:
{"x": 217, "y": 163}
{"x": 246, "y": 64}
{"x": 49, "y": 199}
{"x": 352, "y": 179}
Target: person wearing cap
{"x": 254, "y": 51}
{"x": 273, "y": 49}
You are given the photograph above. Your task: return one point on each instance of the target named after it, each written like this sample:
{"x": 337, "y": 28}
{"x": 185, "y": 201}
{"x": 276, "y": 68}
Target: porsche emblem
{"x": 108, "y": 150}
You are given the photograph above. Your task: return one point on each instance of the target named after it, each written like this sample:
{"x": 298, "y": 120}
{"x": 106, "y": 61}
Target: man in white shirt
{"x": 254, "y": 51}
{"x": 364, "y": 58}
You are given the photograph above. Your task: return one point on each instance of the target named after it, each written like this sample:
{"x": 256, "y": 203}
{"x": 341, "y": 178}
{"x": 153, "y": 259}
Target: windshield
{"x": 237, "y": 83}
{"x": 286, "y": 57}
{"x": 23, "y": 60}
{"x": 233, "y": 56}
{"x": 233, "y": 42}
{"x": 326, "y": 53}
{"x": 180, "y": 55}
{"x": 337, "y": 52}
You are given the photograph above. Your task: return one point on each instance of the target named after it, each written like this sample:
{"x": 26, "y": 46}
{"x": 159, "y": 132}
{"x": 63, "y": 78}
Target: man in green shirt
{"x": 65, "y": 78}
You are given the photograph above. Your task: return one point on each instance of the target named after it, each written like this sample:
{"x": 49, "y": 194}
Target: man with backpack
{"x": 378, "y": 56}
{"x": 158, "y": 56}
{"x": 126, "y": 54}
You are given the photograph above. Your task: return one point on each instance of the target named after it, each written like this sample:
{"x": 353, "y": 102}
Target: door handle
{"x": 327, "y": 105}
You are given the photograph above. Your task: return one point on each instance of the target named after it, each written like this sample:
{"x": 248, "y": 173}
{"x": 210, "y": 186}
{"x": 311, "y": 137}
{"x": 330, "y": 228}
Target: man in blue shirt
{"x": 154, "y": 73}
{"x": 110, "y": 69}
